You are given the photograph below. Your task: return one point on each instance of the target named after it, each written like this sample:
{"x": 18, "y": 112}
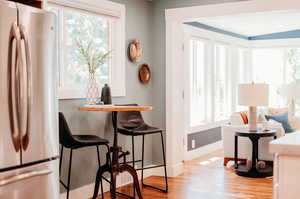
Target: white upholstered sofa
{"x": 244, "y": 144}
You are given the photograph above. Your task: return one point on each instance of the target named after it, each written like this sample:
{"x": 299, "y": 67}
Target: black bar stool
{"x": 132, "y": 124}
{"x": 72, "y": 142}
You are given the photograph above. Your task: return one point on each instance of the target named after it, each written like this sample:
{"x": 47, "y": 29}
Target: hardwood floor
{"x": 207, "y": 178}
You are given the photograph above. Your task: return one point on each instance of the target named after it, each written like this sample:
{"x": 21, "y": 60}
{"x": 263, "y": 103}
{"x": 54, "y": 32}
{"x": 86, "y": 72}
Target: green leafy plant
{"x": 293, "y": 58}
{"x": 93, "y": 58}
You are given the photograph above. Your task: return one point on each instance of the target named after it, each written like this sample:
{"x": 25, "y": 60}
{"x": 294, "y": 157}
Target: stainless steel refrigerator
{"x": 28, "y": 104}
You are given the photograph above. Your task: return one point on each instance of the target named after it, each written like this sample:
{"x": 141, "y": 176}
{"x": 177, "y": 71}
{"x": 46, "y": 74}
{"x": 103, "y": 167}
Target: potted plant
{"x": 94, "y": 60}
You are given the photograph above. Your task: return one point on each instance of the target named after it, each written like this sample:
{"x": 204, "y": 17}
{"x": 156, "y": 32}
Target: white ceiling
{"x": 254, "y": 24}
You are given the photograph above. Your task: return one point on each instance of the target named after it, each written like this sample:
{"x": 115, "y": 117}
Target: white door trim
{"x": 175, "y": 60}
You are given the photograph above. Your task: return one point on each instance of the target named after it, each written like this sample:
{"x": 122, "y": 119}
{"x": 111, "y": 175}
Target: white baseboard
{"x": 122, "y": 179}
{"x": 203, "y": 150}
{"x": 175, "y": 170}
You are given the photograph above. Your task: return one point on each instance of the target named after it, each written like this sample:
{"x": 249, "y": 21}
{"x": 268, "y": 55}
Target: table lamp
{"x": 291, "y": 92}
{"x": 253, "y": 95}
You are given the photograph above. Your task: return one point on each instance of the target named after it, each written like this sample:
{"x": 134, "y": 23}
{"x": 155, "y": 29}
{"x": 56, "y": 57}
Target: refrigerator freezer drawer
{"x": 34, "y": 182}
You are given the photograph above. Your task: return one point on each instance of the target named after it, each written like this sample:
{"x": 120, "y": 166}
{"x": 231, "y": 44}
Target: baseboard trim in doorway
{"x": 123, "y": 179}
{"x": 204, "y": 150}
{"x": 175, "y": 170}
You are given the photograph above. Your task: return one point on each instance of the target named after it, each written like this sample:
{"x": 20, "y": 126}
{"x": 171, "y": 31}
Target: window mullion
{"x": 111, "y": 62}
{"x": 63, "y": 63}
{"x": 213, "y": 80}
{"x": 205, "y": 79}
{"x": 284, "y": 73}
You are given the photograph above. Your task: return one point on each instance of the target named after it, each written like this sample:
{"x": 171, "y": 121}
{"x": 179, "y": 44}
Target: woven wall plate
{"x": 144, "y": 74}
{"x": 135, "y": 51}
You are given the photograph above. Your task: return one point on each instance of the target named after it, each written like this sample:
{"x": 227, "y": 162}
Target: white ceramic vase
{"x": 92, "y": 93}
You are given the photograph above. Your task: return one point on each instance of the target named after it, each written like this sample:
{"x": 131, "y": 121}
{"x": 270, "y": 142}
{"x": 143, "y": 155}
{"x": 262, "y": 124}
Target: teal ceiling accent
{"x": 218, "y": 30}
{"x": 279, "y": 35}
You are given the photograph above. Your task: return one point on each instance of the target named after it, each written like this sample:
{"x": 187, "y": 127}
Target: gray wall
{"x": 138, "y": 26}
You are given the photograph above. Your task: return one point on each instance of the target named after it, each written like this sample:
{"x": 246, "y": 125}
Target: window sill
{"x": 80, "y": 93}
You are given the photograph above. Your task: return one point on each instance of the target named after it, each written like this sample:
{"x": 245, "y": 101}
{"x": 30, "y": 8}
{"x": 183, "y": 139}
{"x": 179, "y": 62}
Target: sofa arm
{"x": 297, "y": 121}
{"x": 278, "y": 127}
{"x": 228, "y": 136}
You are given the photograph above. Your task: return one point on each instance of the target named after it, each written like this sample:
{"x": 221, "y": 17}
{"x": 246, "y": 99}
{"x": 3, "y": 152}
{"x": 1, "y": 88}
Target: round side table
{"x": 241, "y": 168}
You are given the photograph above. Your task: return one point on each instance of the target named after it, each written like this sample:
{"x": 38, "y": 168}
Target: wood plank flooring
{"x": 207, "y": 178}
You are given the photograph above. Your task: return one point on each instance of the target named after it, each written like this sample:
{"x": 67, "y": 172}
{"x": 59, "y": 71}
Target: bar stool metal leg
{"x": 165, "y": 168}
{"x": 98, "y": 156}
{"x": 143, "y": 155}
{"x": 133, "y": 163}
{"x": 69, "y": 174}
{"x": 60, "y": 159}
{"x": 99, "y": 164}
{"x": 165, "y": 164}
{"x": 101, "y": 170}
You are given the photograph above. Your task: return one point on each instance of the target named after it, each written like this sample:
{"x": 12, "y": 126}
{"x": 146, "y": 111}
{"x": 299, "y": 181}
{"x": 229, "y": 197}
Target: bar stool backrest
{"x": 65, "y": 136}
{"x": 130, "y": 119}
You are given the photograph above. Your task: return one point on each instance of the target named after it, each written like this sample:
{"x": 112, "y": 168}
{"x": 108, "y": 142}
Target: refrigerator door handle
{"x": 14, "y": 49}
{"x": 26, "y": 106}
{"x": 24, "y": 176}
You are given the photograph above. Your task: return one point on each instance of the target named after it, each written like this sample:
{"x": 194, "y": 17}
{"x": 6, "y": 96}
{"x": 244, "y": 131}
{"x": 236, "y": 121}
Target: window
{"x": 99, "y": 28}
{"x": 242, "y": 65}
{"x": 218, "y": 64}
{"x": 292, "y": 72}
{"x": 243, "y": 73}
{"x": 87, "y": 28}
{"x": 269, "y": 67}
{"x": 209, "y": 82}
{"x": 197, "y": 82}
{"x": 292, "y": 60}
{"x": 282, "y": 66}
{"x": 221, "y": 82}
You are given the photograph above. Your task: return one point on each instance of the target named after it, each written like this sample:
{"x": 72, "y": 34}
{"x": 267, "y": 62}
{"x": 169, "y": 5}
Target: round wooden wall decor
{"x": 144, "y": 74}
{"x": 135, "y": 51}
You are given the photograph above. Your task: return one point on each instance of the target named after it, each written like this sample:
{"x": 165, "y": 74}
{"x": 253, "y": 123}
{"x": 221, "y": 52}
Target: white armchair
{"x": 244, "y": 144}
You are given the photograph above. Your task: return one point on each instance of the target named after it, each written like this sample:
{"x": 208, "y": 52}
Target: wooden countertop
{"x": 114, "y": 108}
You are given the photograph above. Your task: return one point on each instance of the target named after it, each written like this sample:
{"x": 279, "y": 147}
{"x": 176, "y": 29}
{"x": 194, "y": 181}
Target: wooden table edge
{"x": 116, "y": 108}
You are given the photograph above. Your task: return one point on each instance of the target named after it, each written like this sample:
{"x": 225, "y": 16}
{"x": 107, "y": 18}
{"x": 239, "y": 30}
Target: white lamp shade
{"x": 290, "y": 91}
{"x": 253, "y": 94}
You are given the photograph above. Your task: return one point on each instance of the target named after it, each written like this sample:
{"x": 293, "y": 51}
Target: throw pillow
{"x": 283, "y": 119}
{"x": 244, "y": 116}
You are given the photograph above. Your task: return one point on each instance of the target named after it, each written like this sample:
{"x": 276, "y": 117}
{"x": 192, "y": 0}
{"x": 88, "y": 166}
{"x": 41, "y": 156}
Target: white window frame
{"x": 248, "y": 72}
{"x": 117, "y": 41}
{"x": 227, "y": 77}
{"x": 206, "y": 78}
{"x": 211, "y": 39}
{"x": 233, "y": 44}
